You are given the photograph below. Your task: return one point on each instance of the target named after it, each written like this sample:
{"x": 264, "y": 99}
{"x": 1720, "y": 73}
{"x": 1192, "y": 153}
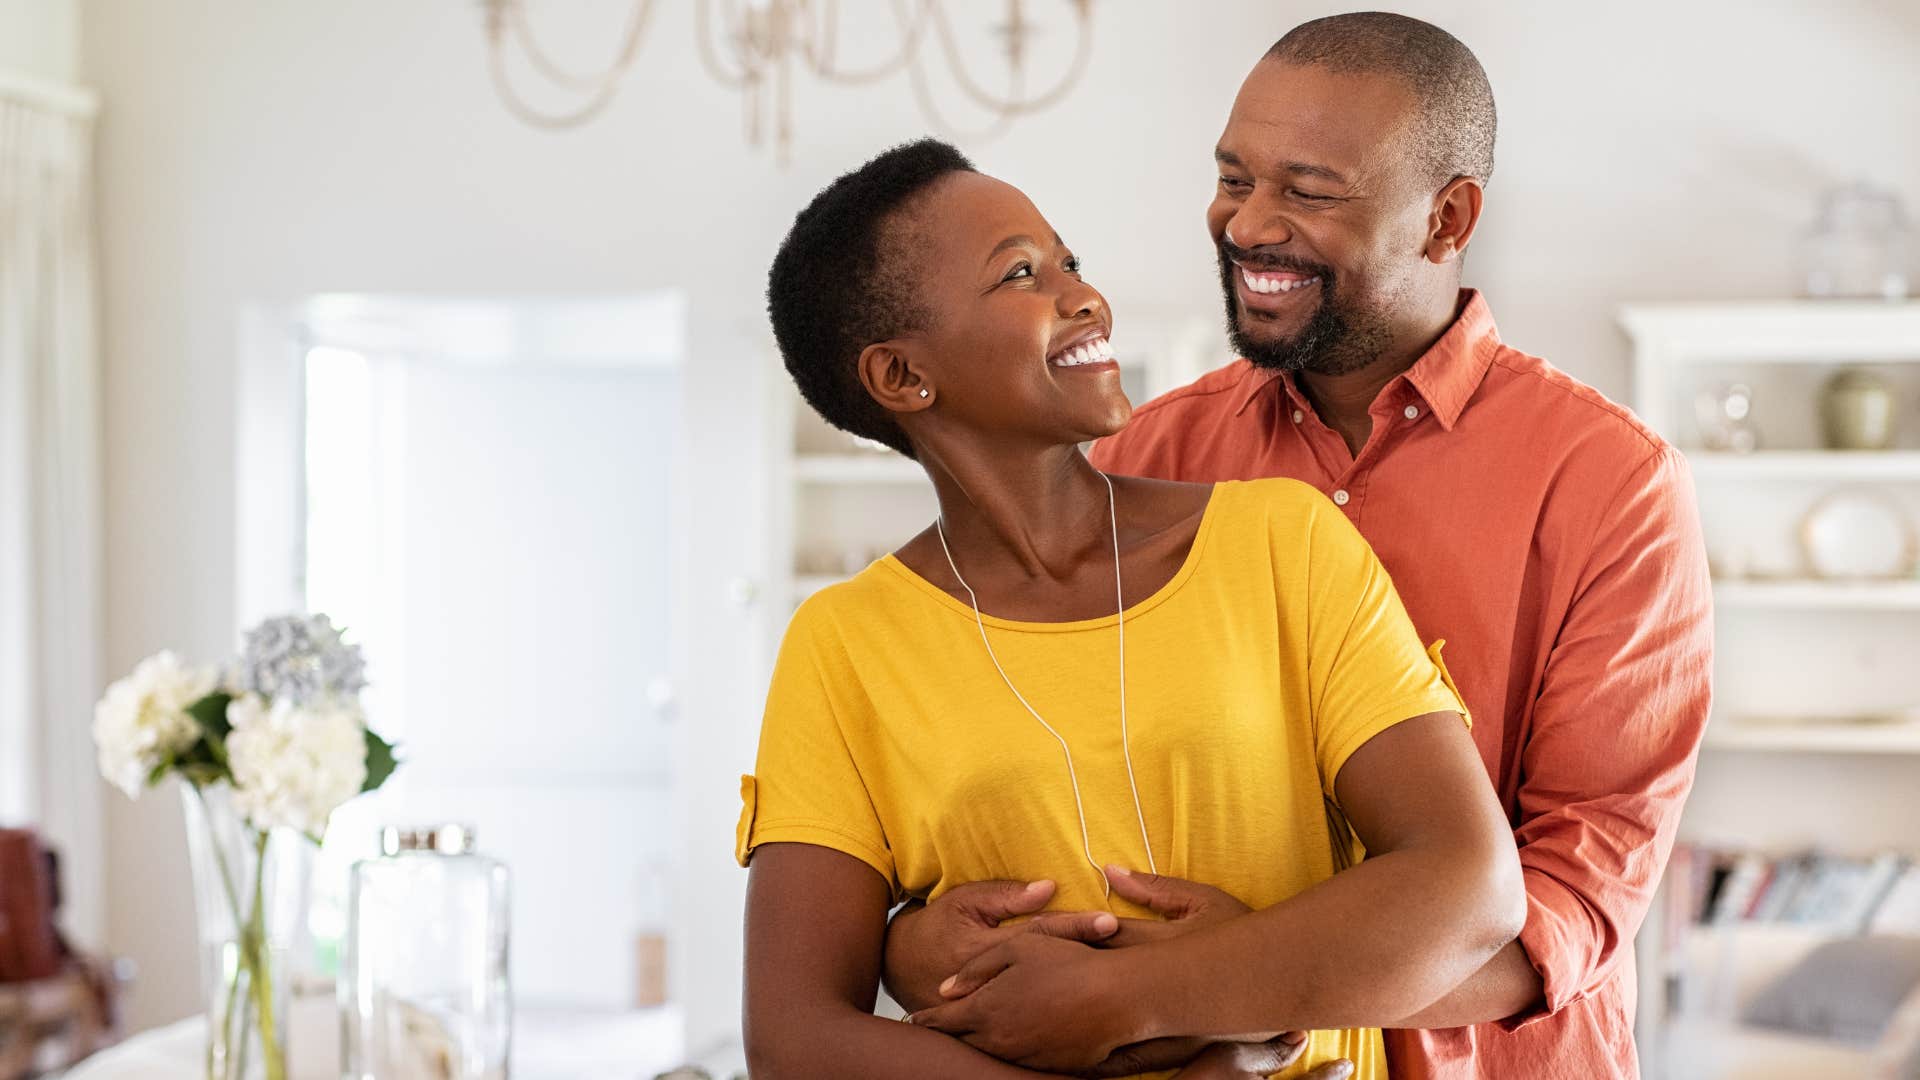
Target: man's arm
{"x": 1609, "y": 760}
{"x": 1616, "y": 730}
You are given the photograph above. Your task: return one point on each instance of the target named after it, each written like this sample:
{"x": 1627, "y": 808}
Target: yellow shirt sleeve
{"x": 1367, "y": 669}
{"x": 806, "y": 787}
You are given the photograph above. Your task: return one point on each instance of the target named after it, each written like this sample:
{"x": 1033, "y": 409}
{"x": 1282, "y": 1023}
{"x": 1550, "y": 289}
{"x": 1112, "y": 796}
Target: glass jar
{"x": 424, "y": 990}
{"x": 1860, "y": 246}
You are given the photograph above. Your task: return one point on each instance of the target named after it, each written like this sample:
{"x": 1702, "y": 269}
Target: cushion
{"x": 1847, "y": 990}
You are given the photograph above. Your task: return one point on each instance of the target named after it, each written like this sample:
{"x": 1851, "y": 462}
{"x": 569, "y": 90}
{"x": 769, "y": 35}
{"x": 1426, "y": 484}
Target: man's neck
{"x": 1344, "y": 401}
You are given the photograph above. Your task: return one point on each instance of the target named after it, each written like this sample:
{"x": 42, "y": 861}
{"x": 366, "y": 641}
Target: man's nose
{"x": 1258, "y": 223}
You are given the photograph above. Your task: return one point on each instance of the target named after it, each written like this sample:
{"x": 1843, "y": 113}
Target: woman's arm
{"x": 1439, "y": 894}
{"x": 815, "y": 918}
{"x": 1507, "y": 986}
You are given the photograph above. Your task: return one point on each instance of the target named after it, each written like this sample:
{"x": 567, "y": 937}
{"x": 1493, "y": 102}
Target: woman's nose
{"x": 1080, "y": 300}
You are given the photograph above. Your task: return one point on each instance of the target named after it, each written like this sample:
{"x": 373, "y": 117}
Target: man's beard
{"x": 1334, "y": 341}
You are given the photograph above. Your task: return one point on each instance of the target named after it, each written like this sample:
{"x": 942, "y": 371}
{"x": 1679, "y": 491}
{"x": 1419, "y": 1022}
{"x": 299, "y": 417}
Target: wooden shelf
{"x": 856, "y": 469}
{"x": 1815, "y": 738}
{"x": 1808, "y": 465}
{"x": 1818, "y": 595}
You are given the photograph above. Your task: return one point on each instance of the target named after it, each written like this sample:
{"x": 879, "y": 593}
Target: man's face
{"x": 1320, "y": 216}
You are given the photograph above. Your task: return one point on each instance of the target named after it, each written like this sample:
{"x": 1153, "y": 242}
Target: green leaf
{"x": 210, "y": 713}
{"x": 380, "y": 761}
{"x": 159, "y": 772}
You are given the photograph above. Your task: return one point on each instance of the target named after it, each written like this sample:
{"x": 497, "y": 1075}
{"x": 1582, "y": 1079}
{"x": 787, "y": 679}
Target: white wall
{"x": 1649, "y": 149}
{"x": 40, "y": 39}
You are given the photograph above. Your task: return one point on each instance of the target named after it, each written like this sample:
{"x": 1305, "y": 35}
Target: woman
{"x": 1068, "y": 675}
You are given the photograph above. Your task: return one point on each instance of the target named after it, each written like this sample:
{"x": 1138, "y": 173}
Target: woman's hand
{"x": 1255, "y": 1061}
{"x": 1038, "y": 1002}
{"x": 1183, "y": 906}
{"x": 929, "y": 942}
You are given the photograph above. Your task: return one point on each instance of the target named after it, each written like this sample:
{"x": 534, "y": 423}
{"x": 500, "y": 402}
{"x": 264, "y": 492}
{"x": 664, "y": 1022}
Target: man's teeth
{"x": 1087, "y": 352}
{"x": 1274, "y": 283}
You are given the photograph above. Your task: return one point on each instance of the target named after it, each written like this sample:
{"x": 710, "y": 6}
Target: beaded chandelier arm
{"x": 755, "y": 46}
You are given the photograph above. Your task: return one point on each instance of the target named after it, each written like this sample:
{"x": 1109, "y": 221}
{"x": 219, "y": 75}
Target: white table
{"x": 548, "y": 1044}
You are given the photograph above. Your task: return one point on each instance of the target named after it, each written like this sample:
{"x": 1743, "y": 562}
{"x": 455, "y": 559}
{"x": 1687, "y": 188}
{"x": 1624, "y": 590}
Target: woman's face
{"x": 1016, "y": 345}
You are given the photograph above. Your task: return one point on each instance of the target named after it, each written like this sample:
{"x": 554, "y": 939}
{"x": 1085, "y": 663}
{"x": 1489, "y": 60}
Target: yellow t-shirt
{"x": 1276, "y": 651}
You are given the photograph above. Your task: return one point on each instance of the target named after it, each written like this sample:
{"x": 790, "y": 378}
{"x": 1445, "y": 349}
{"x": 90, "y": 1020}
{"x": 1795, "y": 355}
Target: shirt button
{"x": 1341, "y": 498}
{"x": 1413, "y": 412}
{"x": 1298, "y": 416}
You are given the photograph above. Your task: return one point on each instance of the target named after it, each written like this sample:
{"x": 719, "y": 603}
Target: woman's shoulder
{"x": 829, "y": 601}
{"x": 1282, "y": 500}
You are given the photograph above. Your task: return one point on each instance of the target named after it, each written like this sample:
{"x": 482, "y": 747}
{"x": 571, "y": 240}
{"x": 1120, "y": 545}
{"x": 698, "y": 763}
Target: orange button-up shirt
{"x": 1554, "y": 542}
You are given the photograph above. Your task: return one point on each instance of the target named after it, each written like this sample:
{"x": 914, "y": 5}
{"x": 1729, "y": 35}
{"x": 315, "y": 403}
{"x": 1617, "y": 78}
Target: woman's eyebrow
{"x": 1022, "y": 240}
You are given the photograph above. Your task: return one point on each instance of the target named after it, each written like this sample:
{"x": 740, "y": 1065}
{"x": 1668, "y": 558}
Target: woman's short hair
{"x": 842, "y": 281}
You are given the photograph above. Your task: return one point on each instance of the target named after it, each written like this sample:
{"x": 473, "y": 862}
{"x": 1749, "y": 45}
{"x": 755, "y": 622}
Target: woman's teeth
{"x": 1093, "y": 351}
{"x": 1274, "y": 283}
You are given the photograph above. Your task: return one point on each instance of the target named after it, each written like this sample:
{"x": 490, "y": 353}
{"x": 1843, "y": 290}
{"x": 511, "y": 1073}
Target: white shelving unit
{"x": 856, "y": 468}
{"x": 1786, "y": 644}
{"x": 1819, "y": 738}
{"x": 1817, "y": 596}
{"x": 1807, "y": 464}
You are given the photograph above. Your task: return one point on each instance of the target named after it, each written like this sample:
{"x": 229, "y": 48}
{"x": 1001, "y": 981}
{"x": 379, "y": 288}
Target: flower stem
{"x": 255, "y": 947}
{"x": 224, "y": 1051}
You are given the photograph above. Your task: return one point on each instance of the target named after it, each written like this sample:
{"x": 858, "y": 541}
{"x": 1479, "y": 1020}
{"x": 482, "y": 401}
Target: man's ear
{"x": 1456, "y": 213}
{"x": 892, "y": 378}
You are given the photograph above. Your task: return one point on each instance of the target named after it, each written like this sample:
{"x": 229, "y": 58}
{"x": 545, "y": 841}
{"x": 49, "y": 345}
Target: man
{"x": 1538, "y": 528}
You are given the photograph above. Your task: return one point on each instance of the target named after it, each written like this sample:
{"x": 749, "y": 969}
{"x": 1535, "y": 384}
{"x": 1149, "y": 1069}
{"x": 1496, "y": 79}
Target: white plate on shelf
{"x": 1859, "y": 535}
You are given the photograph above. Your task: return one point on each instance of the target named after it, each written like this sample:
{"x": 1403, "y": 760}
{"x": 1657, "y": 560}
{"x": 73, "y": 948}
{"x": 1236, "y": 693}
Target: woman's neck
{"x": 1039, "y": 513}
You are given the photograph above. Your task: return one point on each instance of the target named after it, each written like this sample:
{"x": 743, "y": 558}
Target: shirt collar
{"x": 1446, "y": 375}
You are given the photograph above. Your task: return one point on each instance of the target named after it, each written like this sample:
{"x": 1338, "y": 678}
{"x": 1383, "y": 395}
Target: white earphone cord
{"x": 1120, "y": 624}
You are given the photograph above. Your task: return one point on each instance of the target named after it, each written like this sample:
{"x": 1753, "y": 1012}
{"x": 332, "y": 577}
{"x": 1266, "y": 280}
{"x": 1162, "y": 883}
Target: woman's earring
{"x": 924, "y": 392}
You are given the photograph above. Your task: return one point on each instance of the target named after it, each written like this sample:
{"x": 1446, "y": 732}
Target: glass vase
{"x": 250, "y": 889}
{"x": 1860, "y": 246}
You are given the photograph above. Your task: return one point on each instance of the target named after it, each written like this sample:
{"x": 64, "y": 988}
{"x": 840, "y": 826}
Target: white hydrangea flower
{"x": 293, "y": 764}
{"x": 142, "y": 719}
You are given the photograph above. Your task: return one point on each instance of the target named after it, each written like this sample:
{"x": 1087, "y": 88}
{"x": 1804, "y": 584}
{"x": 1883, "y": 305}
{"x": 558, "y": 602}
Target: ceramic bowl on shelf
{"x": 1859, "y": 535}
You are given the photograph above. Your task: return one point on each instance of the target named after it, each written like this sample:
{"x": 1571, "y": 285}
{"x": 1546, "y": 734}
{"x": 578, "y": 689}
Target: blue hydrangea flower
{"x": 300, "y": 659}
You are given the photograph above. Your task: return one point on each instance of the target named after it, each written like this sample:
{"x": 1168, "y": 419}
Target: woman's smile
{"x": 1085, "y": 351}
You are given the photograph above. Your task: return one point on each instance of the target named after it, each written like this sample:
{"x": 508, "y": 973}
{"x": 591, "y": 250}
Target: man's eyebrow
{"x": 1301, "y": 168}
{"x": 1304, "y": 169}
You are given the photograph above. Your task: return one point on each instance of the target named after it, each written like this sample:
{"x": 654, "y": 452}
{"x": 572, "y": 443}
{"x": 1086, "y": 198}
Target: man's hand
{"x": 927, "y": 943}
{"x": 1255, "y": 1061}
{"x": 1040, "y": 1002}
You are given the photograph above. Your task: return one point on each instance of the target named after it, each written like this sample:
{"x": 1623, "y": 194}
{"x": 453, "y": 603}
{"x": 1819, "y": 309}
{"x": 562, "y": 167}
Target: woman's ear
{"x": 893, "y": 379}
{"x": 1456, "y": 213}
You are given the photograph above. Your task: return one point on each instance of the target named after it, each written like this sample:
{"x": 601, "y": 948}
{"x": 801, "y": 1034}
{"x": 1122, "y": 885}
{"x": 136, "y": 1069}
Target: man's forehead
{"x": 1310, "y": 114}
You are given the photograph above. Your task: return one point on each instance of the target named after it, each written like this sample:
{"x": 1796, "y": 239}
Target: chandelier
{"x": 758, "y": 47}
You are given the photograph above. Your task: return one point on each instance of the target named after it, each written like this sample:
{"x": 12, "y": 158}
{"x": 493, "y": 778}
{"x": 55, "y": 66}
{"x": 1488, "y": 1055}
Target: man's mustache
{"x": 1267, "y": 259}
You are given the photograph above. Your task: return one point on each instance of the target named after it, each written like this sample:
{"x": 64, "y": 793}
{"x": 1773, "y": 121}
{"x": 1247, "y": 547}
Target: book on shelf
{"x": 1844, "y": 894}
{"x": 1898, "y": 911}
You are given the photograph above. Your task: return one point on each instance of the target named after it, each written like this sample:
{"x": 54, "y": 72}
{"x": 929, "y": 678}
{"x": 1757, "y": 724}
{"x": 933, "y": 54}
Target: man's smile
{"x": 1269, "y": 292}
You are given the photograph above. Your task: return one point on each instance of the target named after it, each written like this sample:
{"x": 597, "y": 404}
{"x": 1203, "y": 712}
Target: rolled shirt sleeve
{"x": 1616, "y": 732}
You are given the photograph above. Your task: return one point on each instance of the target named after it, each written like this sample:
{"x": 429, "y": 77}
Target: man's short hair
{"x": 1457, "y": 122}
{"x": 840, "y": 283}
